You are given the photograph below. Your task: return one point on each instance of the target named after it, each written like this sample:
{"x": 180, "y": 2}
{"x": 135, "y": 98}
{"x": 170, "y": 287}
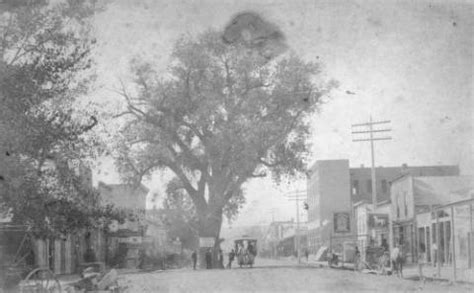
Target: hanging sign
{"x": 206, "y": 241}
{"x": 342, "y": 222}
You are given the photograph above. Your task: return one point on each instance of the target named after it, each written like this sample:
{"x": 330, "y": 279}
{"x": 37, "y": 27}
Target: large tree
{"x": 220, "y": 116}
{"x": 45, "y": 66}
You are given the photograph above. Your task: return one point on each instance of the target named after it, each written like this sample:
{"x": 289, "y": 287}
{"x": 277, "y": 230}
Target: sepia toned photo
{"x": 236, "y": 146}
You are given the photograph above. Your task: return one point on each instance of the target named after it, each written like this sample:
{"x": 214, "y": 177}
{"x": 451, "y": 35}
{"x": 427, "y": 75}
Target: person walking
{"x": 194, "y": 258}
{"x": 209, "y": 259}
{"x": 231, "y": 258}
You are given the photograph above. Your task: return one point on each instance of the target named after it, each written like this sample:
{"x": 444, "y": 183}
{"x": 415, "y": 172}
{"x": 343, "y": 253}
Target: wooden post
{"x": 445, "y": 248}
{"x": 438, "y": 252}
{"x": 453, "y": 243}
{"x": 390, "y": 236}
{"x": 470, "y": 237}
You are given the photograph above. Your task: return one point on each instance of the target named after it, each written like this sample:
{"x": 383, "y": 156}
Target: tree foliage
{"x": 45, "y": 66}
{"x": 220, "y": 116}
{"x": 179, "y": 215}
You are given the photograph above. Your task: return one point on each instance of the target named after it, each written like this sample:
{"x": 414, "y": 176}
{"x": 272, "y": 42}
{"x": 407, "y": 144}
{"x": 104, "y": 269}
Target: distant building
{"x": 124, "y": 241}
{"x": 277, "y": 230}
{"x": 281, "y": 237}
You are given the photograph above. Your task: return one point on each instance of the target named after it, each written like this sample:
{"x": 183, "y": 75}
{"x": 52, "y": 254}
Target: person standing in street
{"x": 194, "y": 258}
{"x": 221, "y": 259}
{"x": 434, "y": 253}
{"x": 396, "y": 259}
{"x": 209, "y": 259}
{"x": 356, "y": 258}
{"x": 231, "y": 258}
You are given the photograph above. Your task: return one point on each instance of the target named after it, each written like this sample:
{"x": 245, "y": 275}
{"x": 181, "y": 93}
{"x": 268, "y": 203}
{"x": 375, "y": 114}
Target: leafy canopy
{"x": 45, "y": 66}
{"x": 219, "y": 116}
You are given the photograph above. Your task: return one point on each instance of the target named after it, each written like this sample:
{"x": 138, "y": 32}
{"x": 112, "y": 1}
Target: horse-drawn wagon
{"x": 246, "y": 251}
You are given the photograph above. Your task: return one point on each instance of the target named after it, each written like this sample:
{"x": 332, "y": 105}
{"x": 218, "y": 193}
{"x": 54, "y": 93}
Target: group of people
{"x": 395, "y": 256}
{"x": 208, "y": 258}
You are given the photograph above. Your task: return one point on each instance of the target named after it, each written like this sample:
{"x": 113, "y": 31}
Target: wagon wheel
{"x": 40, "y": 280}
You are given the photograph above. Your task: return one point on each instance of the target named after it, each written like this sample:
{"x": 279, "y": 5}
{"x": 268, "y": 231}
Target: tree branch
{"x": 270, "y": 165}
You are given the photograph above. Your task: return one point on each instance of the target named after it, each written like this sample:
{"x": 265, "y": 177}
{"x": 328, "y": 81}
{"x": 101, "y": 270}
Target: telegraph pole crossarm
{"x": 369, "y": 129}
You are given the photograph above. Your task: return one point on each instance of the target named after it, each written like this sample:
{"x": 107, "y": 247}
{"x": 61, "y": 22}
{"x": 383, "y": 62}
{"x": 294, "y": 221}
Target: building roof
{"x": 441, "y": 190}
{"x": 392, "y": 174}
{"x": 124, "y": 195}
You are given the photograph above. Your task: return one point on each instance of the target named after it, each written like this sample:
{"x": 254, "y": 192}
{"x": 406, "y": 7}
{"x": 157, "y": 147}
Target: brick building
{"x": 336, "y": 190}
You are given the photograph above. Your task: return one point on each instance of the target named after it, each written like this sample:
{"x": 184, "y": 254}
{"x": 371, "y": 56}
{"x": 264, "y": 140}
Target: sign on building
{"x": 378, "y": 221}
{"x": 206, "y": 241}
{"x": 342, "y": 222}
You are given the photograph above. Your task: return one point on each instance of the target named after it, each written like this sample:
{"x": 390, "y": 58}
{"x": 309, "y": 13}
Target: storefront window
{"x": 428, "y": 244}
{"x": 384, "y": 186}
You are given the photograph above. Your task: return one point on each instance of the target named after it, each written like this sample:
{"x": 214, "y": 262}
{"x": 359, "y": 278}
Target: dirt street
{"x": 275, "y": 276}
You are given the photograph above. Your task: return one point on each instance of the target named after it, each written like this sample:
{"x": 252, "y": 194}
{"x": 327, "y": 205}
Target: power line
{"x": 297, "y": 196}
{"x": 368, "y": 128}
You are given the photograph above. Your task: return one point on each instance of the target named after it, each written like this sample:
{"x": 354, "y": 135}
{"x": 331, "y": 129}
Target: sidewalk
{"x": 411, "y": 272}
{"x": 446, "y": 273}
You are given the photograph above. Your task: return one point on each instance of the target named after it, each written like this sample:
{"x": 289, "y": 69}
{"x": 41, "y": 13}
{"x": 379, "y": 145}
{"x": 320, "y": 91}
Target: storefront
{"x": 428, "y": 229}
{"x": 404, "y": 237}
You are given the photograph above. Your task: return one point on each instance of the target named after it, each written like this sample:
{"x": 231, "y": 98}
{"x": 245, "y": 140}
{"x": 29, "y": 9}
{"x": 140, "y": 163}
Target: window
{"x": 406, "y": 205}
{"x": 384, "y": 186}
{"x": 369, "y": 186}
{"x": 355, "y": 187}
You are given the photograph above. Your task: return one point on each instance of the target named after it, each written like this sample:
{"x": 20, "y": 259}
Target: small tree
{"x": 219, "y": 117}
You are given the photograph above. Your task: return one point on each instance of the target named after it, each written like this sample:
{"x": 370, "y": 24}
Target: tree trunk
{"x": 210, "y": 222}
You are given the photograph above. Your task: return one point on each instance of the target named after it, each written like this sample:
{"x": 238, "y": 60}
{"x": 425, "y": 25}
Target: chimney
{"x": 404, "y": 169}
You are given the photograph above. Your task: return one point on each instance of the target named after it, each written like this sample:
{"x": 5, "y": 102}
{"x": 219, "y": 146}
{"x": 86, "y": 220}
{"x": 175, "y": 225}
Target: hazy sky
{"x": 410, "y": 62}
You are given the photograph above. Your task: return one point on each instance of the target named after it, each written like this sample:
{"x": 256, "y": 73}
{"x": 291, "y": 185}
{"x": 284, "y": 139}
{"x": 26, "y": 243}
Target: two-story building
{"x": 413, "y": 202}
{"x": 328, "y": 192}
{"x": 125, "y": 240}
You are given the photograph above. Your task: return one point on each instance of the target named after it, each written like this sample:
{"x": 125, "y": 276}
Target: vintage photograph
{"x": 236, "y": 146}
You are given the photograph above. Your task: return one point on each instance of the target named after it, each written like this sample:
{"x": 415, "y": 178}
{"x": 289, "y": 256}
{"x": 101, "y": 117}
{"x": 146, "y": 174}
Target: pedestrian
{"x": 434, "y": 253}
{"x": 250, "y": 248}
{"x": 221, "y": 259}
{"x": 306, "y": 253}
{"x": 356, "y": 258}
{"x": 385, "y": 245}
{"x": 194, "y": 258}
{"x": 209, "y": 259}
{"x": 396, "y": 259}
{"x": 231, "y": 258}
{"x": 421, "y": 261}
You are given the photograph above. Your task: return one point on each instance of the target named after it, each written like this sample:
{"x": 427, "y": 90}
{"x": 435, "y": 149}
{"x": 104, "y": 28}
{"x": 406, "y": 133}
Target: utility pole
{"x": 272, "y": 211}
{"x": 368, "y": 128}
{"x": 297, "y": 196}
